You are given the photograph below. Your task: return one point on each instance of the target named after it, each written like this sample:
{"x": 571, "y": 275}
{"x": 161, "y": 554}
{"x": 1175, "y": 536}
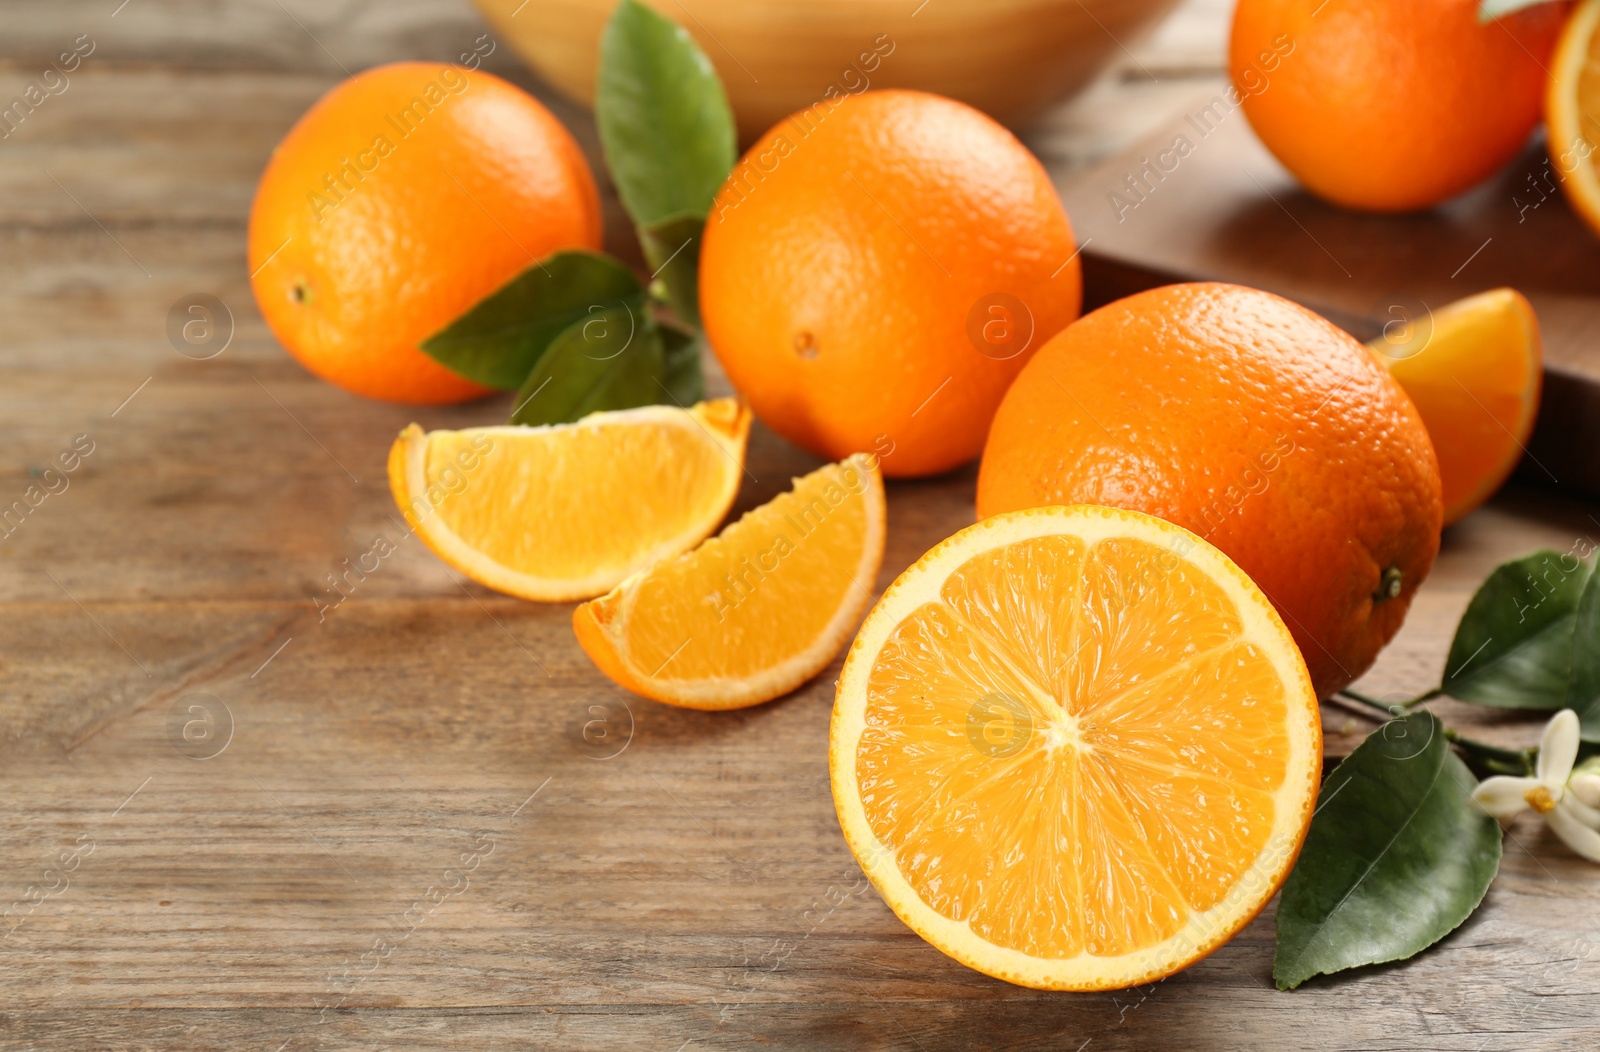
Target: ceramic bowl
{"x": 1010, "y": 58}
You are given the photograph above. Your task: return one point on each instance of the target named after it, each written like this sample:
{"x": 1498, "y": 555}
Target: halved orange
{"x": 1474, "y": 372}
{"x": 1572, "y": 111}
{"x": 1075, "y": 748}
{"x": 757, "y": 610}
{"x": 566, "y": 511}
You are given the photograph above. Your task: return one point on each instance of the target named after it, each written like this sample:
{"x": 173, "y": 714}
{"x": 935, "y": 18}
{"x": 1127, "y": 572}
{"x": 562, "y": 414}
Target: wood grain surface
{"x": 232, "y": 819}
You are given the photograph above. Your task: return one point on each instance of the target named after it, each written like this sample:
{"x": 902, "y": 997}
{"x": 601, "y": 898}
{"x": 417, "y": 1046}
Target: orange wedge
{"x": 755, "y": 611}
{"x": 1473, "y": 371}
{"x": 566, "y": 511}
{"x": 1075, "y": 748}
{"x": 1572, "y": 110}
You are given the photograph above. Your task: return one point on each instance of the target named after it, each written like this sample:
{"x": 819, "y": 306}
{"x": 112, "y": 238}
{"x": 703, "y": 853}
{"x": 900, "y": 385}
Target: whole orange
{"x": 403, "y": 197}
{"x": 1252, "y": 422}
{"x": 1388, "y": 106}
{"x": 878, "y": 269}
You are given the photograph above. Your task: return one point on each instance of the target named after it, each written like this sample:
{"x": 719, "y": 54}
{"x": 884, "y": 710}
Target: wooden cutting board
{"x": 1202, "y": 199}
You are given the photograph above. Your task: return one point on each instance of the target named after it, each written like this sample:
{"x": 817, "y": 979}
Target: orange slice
{"x": 757, "y": 610}
{"x": 1572, "y": 111}
{"x": 1473, "y": 371}
{"x": 566, "y": 511}
{"x": 1075, "y": 748}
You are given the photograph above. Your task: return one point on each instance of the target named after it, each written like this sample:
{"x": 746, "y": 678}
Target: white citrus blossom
{"x": 1569, "y": 800}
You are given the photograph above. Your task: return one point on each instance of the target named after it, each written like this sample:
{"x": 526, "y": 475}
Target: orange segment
{"x": 1572, "y": 110}
{"x": 567, "y": 511}
{"x": 1075, "y": 748}
{"x": 977, "y": 592}
{"x": 1474, "y": 373}
{"x": 755, "y": 611}
{"x": 1235, "y": 738}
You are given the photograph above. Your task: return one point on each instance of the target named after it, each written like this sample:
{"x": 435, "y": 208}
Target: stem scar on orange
{"x": 1254, "y": 423}
{"x": 403, "y": 197}
{"x": 876, "y": 271}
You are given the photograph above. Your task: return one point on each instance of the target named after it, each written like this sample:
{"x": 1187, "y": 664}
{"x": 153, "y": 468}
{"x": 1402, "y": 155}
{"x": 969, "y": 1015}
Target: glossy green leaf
{"x": 1513, "y": 647}
{"x": 1397, "y": 857}
{"x": 610, "y": 360}
{"x": 500, "y": 340}
{"x": 673, "y": 251}
{"x": 1489, "y": 10}
{"x": 664, "y": 120}
{"x": 684, "y": 379}
{"x": 1583, "y": 688}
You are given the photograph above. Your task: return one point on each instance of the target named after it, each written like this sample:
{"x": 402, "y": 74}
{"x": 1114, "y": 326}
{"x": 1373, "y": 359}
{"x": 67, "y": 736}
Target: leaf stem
{"x": 1501, "y": 761}
{"x": 1420, "y": 698}
{"x": 1491, "y": 757}
{"x": 1387, "y": 708}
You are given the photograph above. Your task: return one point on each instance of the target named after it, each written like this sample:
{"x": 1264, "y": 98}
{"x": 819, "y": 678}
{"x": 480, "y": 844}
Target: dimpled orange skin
{"x": 1252, "y": 422}
{"x": 352, "y": 277}
{"x": 1391, "y": 107}
{"x": 843, "y": 257}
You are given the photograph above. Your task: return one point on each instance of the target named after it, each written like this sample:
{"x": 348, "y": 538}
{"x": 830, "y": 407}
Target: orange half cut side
{"x": 1572, "y": 111}
{"x": 1075, "y": 748}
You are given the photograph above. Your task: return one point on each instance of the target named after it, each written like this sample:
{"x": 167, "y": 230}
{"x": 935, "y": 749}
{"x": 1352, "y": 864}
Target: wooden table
{"x": 248, "y": 795}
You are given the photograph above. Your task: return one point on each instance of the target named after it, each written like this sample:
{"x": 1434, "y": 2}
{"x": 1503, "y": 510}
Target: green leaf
{"x": 1397, "y": 857}
{"x": 664, "y": 119}
{"x": 1583, "y": 688}
{"x": 673, "y": 249}
{"x": 500, "y": 339}
{"x": 1489, "y": 10}
{"x": 684, "y": 381}
{"x": 1513, "y": 647}
{"x": 609, "y": 360}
